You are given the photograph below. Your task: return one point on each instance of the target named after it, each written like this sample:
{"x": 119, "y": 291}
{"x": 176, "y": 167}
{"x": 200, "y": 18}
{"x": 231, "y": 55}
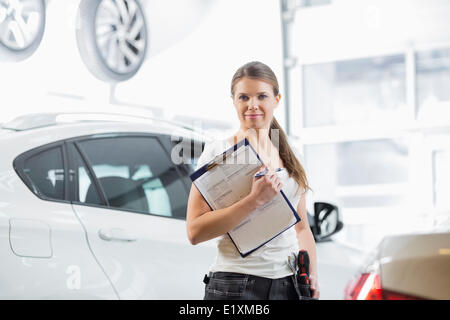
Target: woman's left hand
{"x": 315, "y": 291}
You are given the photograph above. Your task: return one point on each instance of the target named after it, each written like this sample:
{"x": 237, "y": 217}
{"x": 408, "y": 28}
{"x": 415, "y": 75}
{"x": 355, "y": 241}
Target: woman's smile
{"x": 254, "y": 116}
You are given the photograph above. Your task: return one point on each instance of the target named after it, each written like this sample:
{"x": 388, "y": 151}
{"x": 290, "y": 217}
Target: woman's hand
{"x": 315, "y": 291}
{"x": 265, "y": 188}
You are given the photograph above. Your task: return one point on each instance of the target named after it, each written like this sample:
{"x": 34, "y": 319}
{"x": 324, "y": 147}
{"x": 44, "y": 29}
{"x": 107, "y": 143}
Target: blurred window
{"x": 136, "y": 174}
{"x": 441, "y": 165}
{"x": 433, "y": 83}
{"x": 359, "y": 174}
{"x": 355, "y": 91}
{"x": 46, "y": 172}
{"x": 305, "y": 3}
{"x": 312, "y": 3}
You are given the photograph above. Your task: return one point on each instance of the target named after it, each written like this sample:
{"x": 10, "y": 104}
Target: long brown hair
{"x": 260, "y": 71}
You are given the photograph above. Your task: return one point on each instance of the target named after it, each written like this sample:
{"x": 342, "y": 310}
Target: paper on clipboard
{"x": 227, "y": 179}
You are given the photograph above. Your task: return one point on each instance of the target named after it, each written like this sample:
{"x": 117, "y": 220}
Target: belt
{"x": 210, "y": 275}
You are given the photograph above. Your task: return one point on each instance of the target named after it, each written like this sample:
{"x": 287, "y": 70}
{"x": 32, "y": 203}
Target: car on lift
{"x": 112, "y": 36}
{"x": 96, "y": 209}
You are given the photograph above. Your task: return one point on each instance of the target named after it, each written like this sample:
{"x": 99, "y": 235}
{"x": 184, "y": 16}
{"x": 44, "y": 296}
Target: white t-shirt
{"x": 270, "y": 260}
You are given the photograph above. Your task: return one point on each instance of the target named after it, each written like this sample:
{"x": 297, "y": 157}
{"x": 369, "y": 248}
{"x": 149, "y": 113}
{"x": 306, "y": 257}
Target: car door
{"x": 43, "y": 252}
{"x": 132, "y": 201}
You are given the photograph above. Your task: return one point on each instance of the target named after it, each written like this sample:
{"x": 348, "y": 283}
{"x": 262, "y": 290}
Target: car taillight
{"x": 368, "y": 287}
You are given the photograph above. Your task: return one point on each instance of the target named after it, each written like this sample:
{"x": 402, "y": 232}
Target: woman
{"x": 264, "y": 274}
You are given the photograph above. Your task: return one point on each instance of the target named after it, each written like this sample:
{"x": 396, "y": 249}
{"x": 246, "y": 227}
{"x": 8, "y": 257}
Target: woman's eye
{"x": 243, "y": 98}
{"x": 262, "y": 96}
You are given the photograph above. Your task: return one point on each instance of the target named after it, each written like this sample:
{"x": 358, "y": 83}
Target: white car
{"x": 96, "y": 210}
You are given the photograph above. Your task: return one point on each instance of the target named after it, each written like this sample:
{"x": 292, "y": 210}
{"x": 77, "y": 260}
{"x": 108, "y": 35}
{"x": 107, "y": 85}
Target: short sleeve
{"x": 203, "y": 157}
{"x": 211, "y": 150}
{"x": 206, "y": 155}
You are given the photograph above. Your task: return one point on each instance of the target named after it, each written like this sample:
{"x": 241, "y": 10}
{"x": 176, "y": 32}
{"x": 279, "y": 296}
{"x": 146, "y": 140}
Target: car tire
{"x": 10, "y": 47}
{"x": 94, "y": 53}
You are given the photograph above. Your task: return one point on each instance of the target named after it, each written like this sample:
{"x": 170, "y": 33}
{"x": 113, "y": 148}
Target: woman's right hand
{"x": 265, "y": 188}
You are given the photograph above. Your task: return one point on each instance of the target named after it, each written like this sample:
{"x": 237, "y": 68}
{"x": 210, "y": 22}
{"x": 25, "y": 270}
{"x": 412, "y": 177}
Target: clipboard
{"x": 212, "y": 182}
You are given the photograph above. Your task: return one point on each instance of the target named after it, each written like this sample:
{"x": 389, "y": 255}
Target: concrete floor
{"x": 337, "y": 265}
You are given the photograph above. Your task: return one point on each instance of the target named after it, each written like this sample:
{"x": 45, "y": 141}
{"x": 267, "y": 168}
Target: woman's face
{"x": 254, "y": 102}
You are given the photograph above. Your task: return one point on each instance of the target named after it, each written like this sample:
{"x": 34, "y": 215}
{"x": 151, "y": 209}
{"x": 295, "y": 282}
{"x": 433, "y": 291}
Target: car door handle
{"x": 115, "y": 234}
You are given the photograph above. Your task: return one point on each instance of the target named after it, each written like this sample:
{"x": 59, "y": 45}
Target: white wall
{"x": 356, "y": 28}
{"x": 193, "y": 77}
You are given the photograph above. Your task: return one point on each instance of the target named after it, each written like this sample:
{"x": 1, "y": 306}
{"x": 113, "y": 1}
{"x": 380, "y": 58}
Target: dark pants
{"x": 238, "y": 286}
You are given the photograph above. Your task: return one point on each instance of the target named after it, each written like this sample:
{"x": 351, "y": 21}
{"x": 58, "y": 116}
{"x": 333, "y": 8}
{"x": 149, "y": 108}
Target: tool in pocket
{"x": 299, "y": 264}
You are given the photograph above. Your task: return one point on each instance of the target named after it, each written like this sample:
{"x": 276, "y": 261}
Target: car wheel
{"x": 22, "y": 24}
{"x": 112, "y": 38}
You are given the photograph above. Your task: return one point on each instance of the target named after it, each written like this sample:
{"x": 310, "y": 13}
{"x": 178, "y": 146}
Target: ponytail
{"x": 290, "y": 161}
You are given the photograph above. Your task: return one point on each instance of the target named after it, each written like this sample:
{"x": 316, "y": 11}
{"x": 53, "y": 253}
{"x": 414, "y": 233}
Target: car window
{"x": 45, "y": 171}
{"x": 185, "y": 153}
{"x": 137, "y": 174}
{"x": 85, "y": 190}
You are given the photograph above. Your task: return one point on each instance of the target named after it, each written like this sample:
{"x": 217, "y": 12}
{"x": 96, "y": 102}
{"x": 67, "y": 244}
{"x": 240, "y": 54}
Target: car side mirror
{"x": 326, "y": 220}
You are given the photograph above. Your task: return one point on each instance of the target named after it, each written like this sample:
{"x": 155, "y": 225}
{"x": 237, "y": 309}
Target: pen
{"x": 263, "y": 173}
